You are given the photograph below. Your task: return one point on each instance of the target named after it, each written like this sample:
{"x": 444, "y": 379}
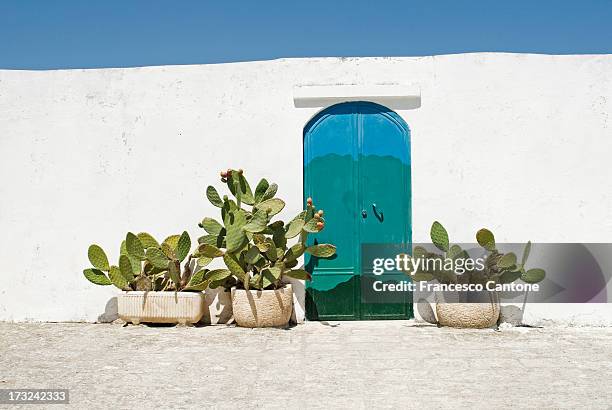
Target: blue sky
{"x": 47, "y": 34}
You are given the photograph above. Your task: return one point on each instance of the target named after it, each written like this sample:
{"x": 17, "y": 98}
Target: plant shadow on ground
{"x": 290, "y": 326}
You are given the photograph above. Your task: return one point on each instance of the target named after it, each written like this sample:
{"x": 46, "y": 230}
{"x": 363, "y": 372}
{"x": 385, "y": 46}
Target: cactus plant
{"x": 145, "y": 264}
{"x": 499, "y": 267}
{"x": 254, "y": 248}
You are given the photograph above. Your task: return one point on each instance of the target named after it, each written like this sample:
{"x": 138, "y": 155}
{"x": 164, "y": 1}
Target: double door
{"x": 357, "y": 169}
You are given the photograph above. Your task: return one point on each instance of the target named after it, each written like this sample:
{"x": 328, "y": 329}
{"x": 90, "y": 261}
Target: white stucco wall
{"x": 518, "y": 143}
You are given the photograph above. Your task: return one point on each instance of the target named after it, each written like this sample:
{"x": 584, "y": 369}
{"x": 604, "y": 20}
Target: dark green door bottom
{"x": 357, "y": 169}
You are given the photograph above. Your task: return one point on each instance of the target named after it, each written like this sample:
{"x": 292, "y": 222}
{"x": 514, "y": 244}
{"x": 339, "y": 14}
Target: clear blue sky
{"x": 48, "y": 34}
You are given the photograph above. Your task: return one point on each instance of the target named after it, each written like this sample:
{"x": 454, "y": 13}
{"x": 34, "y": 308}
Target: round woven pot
{"x": 469, "y": 315}
{"x": 262, "y": 308}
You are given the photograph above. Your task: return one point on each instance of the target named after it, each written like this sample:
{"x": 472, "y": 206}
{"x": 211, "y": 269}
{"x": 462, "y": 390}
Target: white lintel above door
{"x": 394, "y": 96}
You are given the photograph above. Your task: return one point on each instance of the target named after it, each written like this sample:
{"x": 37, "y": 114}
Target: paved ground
{"x": 346, "y": 365}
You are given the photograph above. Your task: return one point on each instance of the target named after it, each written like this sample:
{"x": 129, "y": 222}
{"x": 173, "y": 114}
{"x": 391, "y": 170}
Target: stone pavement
{"x": 393, "y": 364}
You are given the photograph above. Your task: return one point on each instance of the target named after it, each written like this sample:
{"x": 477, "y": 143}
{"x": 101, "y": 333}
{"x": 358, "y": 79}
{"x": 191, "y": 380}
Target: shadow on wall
{"x": 218, "y": 307}
{"x": 110, "y": 311}
{"x": 511, "y": 314}
{"x": 298, "y": 289}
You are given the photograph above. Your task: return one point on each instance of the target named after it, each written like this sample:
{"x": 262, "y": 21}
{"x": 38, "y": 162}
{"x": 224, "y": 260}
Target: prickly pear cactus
{"x": 145, "y": 264}
{"x": 253, "y": 247}
{"x": 498, "y": 267}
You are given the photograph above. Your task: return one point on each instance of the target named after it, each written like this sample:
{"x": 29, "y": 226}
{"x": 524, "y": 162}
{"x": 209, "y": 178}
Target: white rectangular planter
{"x": 161, "y": 307}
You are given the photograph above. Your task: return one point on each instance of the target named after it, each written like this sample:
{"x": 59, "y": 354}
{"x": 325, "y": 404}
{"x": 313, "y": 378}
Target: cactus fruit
{"x": 309, "y": 201}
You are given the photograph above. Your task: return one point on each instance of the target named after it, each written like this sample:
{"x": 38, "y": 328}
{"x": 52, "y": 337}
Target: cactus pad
{"x": 209, "y": 251}
{"x": 198, "y": 281}
{"x": 270, "y": 192}
{"x": 98, "y": 258}
{"x": 323, "y": 250}
{"x": 213, "y": 196}
{"x": 117, "y": 278}
{"x": 148, "y": 241}
{"x": 300, "y": 274}
{"x": 507, "y": 261}
{"x": 294, "y": 252}
{"x": 439, "y": 236}
{"x": 134, "y": 246}
{"x": 261, "y": 189}
{"x": 126, "y": 268}
{"x": 272, "y": 206}
{"x": 182, "y": 247}
{"x": 485, "y": 238}
{"x": 97, "y": 277}
{"x": 258, "y": 222}
{"x": 526, "y": 253}
{"x": 157, "y": 258}
{"x": 294, "y": 228}
{"x": 533, "y": 275}
{"x": 211, "y": 226}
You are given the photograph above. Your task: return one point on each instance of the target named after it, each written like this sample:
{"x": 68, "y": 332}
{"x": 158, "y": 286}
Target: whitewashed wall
{"x": 518, "y": 143}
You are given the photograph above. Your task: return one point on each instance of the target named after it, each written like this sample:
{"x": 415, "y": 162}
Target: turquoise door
{"x": 357, "y": 169}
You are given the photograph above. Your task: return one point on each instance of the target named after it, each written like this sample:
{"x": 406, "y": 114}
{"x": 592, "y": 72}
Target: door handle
{"x": 378, "y": 212}
{"x": 364, "y": 213}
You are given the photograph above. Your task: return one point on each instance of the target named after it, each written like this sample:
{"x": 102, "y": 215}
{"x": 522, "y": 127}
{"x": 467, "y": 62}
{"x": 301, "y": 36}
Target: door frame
{"x": 395, "y": 118}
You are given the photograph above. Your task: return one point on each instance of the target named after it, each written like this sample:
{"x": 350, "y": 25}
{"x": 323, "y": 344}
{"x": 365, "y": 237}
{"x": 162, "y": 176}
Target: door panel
{"x": 356, "y": 155}
{"x": 384, "y": 185}
{"x": 330, "y": 175}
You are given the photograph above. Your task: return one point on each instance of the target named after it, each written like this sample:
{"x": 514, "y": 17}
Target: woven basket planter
{"x": 468, "y": 315}
{"x": 262, "y": 308}
{"x": 161, "y": 307}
